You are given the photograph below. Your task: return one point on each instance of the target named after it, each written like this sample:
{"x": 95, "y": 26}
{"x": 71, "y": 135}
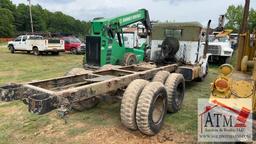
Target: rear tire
{"x": 35, "y": 51}
{"x": 129, "y": 103}
{"x": 175, "y": 86}
{"x": 151, "y": 108}
{"x": 161, "y": 76}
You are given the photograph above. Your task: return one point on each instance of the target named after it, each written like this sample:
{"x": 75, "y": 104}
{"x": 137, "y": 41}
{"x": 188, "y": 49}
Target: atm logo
{"x": 222, "y": 120}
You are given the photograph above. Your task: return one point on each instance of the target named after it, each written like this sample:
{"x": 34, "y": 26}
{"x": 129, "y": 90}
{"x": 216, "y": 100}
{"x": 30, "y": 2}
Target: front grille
{"x": 93, "y": 50}
{"x": 214, "y": 49}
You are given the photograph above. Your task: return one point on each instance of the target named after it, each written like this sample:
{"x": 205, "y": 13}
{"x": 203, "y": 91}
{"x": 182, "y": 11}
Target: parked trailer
{"x": 144, "y": 104}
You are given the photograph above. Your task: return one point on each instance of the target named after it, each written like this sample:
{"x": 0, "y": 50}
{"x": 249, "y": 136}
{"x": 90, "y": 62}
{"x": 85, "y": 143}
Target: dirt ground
{"x": 19, "y": 126}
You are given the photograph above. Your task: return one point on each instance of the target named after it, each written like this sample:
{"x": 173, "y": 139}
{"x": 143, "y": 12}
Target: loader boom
{"x": 105, "y": 45}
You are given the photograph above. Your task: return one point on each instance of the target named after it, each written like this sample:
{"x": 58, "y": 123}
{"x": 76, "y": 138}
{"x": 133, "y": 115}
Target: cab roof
{"x": 179, "y": 24}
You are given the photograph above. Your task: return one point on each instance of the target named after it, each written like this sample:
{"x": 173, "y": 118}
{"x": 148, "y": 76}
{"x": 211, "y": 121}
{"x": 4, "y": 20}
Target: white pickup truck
{"x": 36, "y": 44}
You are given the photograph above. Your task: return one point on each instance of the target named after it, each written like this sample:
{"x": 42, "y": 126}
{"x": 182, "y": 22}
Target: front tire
{"x": 11, "y": 48}
{"x": 175, "y": 86}
{"x": 151, "y": 108}
{"x": 74, "y": 51}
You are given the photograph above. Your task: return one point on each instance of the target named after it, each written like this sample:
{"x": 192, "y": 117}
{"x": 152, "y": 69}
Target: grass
{"x": 22, "y": 67}
{"x": 19, "y": 126}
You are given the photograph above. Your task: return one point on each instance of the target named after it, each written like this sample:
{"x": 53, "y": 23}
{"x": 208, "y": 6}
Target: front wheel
{"x": 175, "y": 86}
{"x": 11, "y": 48}
{"x": 74, "y": 51}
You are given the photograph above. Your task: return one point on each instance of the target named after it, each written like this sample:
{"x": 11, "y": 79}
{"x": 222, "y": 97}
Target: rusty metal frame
{"x": 46, "y": 95}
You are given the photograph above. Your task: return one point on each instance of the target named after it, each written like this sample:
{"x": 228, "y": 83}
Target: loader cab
{"x": 105, "y": 45}
{"x": 109, "y": 45}
{"x": 185, "y": 41}
{"x": 134, "y": 37}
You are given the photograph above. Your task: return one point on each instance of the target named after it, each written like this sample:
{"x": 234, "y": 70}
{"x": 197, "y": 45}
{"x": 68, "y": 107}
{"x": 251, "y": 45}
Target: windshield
{"x": 75, "y": 40}
{"x": 213, "y": 38}
{"x": 72, "y": 40}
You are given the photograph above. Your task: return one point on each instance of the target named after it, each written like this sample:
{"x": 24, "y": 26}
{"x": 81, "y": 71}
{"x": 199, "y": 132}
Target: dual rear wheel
{"x": 144, "y": 104}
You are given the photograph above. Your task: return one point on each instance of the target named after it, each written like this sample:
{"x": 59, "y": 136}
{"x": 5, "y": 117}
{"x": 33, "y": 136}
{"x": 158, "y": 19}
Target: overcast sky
{"x": 171, "y": 10}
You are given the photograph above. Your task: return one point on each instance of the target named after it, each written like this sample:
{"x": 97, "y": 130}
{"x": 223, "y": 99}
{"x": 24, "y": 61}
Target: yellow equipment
{"x": 242, "y": 82}
{"x": 230, "y": 84}
{"x": 224, "y": 33}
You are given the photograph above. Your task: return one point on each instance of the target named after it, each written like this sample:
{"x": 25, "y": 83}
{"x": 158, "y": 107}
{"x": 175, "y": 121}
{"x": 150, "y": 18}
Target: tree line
{"x": 234, "y": 16}
{"x": 15, "y": 20}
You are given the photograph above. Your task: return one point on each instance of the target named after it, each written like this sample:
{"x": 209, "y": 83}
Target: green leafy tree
{"x": 252, "y": 18}
{"x": 22, "y": 18}
{"x": 7, "y": 28}
{"x": 16, "y": 19}
{"x": 234, "y": 16}
{"x": 8, "y": 5}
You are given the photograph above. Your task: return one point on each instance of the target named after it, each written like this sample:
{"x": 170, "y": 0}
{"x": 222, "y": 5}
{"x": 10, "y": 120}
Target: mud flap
{"x": 41, "y": 103}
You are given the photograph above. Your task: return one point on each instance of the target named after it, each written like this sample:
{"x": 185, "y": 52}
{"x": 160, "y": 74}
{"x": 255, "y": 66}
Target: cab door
{"x": 23, "y": 43}
{"x": 17, "y": 42}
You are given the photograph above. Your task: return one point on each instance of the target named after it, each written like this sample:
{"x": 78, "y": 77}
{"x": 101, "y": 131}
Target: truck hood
{"x": 223, "y": 45}
{"x": 10, "y": 42}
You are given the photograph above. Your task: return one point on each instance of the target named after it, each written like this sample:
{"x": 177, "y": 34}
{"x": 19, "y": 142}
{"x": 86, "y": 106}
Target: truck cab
{"x": 180, "y": 43}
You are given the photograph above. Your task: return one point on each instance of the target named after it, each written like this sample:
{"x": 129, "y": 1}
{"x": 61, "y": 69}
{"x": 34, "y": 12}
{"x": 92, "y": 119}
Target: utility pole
{"x": 31, "y": 19}
{"x": 241, "y": 41}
